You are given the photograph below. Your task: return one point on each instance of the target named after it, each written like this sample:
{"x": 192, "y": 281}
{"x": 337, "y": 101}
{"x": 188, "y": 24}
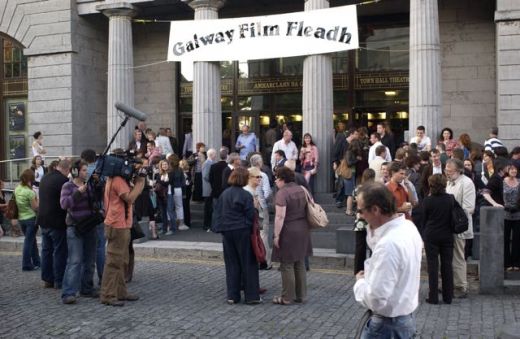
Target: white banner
{"x": 265, "y": 37}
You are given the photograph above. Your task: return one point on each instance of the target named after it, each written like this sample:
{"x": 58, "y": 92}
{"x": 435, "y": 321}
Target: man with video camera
{"x": 119, "y": 198}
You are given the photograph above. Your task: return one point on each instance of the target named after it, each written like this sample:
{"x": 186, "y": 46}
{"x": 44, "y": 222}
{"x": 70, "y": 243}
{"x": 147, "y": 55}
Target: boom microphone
{"x": 130, "y": 111}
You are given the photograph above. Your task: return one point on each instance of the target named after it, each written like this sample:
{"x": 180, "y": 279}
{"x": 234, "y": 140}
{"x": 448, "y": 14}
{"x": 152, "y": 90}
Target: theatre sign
{"x": 265, "y": 37}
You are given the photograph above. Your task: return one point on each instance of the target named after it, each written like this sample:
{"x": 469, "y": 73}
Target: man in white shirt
{"x": 163, "y": 142}
{"x": 423, "y": 142}
{"x": 389, "y": 285}
{"x": 375, "y": 140}
{"x": 379, "y": 159}
{"x": 287, "y": 145}
{"x": 463, "y": 190}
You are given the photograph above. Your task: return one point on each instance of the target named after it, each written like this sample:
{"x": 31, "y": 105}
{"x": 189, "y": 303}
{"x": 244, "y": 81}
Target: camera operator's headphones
{"x": 76, "y": 167}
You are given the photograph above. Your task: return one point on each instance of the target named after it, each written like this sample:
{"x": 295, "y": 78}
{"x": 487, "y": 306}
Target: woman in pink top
{"x": 447, "y": 139}
{"x": 309, "y": 159}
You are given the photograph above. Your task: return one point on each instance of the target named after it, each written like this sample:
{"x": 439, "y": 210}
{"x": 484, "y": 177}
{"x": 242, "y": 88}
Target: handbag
{"x": 87, "y": 223}
{"x": 11, "y": 211}
{"x": 256, "y": 241}
{"x": 344, "y": 170}
{"x": 136, "y": 232}
{"x": 459, "y": 219}
{"x": 160, "y": 190}
{"x": 316, "y": 215}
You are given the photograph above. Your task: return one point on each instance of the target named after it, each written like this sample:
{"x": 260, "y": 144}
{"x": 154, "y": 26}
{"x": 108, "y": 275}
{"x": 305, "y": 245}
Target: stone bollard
{"x": 491, "y": 250}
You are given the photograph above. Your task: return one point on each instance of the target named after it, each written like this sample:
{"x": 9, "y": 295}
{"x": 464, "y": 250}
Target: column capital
{"x": 213, "y": 4}
{"x": 118, "y": 9}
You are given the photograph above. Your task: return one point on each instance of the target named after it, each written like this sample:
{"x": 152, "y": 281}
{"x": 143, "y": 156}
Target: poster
{"x": 16, "y": 116}
{"x": 17, "y": 146}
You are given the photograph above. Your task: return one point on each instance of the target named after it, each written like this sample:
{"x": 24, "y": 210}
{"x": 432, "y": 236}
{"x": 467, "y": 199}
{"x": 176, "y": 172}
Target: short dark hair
{"x": 396, "y": 166}
{"x": 425, "y": 155}
{"x": 36, "y": 135}
{"x": 280, "y": 153}
{"x": 446, "y": 129}
{"x": 285, "y": 174}
{"x": 376, "y": 194}
{"x": 239, "y": 177}
{"x": 437, "y": 183}
{"x": 151, "y": 142}
{"x": 412, "y": 160}
{"x": 458, "y": 153}
{"x": 89, "y": 155}
{"x": 380, "y": 150}
{"x": 421, "y": 128}
{"x": 376, "y": 135}
{"x": 500, "y": 164}
{"x": 501, "y": 151}
{"x": 493, "y": 130}
{"x": 515, "y": 150}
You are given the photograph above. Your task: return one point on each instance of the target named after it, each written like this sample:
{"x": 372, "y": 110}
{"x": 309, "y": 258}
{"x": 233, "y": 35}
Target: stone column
{"x": 425, "y": 68}
{"x": 120, "y": 71}
{"x": 507, "y": 19}
{"x": 207, "y": 108}
{"x": 317, "y": 106}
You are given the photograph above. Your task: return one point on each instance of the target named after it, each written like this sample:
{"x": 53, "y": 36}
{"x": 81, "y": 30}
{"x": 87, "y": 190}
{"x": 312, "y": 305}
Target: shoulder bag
{"x": 11, "y": 211}
{"x": 256, "y": 241}
{"x": 459, "y": 219}
{"x": 316, "y": 215}
{"x": 87, "y": 223}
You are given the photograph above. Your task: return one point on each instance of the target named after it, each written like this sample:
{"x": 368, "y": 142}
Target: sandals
{"x": 351, "y": 214}
{"x": 280, "y": 301}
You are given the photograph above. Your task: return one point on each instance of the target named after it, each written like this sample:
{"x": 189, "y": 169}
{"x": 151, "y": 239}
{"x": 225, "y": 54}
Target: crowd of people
{"x": 423, "y": 181}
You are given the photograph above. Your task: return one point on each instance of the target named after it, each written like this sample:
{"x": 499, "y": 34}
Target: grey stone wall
{"x": 468, "y": 66}
{"x": 507, "y": 18}
{"x": 89, "y": 86}
{"x": 44, "y": 29}
{"x": 155, "y": 85}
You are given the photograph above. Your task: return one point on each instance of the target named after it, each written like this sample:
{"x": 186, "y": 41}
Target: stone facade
{"x": 155, "y": 86}
{"x": 467, "y": 33}
{"x": 66, "y": 54}
{"x": 507, "y": 18}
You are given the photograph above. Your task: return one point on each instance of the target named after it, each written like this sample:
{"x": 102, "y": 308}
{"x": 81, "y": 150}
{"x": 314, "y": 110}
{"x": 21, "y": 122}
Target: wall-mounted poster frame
{"x": 17, "y": 113}
{"x": 17, "y": 146}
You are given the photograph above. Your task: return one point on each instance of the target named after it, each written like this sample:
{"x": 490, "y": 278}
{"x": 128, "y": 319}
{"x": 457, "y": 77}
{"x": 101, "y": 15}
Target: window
{"x": 15, "y": 63}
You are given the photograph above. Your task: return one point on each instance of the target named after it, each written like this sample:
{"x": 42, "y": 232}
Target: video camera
{"x": 124, "y": 165}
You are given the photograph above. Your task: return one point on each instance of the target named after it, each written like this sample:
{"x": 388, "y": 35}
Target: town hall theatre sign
{"x": 265, "y": 37}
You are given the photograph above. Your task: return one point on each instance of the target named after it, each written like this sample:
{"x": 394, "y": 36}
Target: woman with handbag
{"x": 27, "y": 204}
{"x": 292, "y": 240}
{"x": 163, "y": 189}
{"x": 437, "y": 234}
{"x": 76, "y": 198}
{"x": 233, "y": 217}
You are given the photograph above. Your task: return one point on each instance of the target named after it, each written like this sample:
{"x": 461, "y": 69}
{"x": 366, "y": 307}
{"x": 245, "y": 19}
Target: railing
{"x": 10, "y": 170}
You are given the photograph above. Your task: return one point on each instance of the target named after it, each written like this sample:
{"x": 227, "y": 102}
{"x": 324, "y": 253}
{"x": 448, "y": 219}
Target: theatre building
{"x": 437, "y": 63}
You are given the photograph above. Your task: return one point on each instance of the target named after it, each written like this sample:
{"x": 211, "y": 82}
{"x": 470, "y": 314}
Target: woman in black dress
{"x": 438, "y": 238}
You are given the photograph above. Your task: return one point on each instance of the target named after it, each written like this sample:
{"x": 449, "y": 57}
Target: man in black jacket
{"x": 215, "y": 174}
{"x": 51, "y": 218}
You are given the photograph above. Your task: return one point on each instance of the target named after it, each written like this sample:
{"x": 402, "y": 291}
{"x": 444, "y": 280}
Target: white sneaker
{"x": 183, "y": 228}
{"x": 208, "y": 231}
{"x": 169, "y": 233}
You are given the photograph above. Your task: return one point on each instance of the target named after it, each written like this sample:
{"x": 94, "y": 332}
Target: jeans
{"x": 79, "y": 274}
{"x": 30, "y": 257}
{"x": 100, "y": 250}
{"x": 402, "y": 327}
{"x": 54, "y": 255}
{"x": 172, "y": 212}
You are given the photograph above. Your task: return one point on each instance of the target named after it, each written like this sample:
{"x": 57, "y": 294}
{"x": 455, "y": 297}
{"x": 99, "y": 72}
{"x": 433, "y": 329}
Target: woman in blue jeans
{"x": 79, "y": 273}
{"x": 27, "y": 203}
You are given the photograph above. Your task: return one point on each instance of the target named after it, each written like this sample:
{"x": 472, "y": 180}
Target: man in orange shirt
{"x": 403, "y": 196}
{"x": 119, "y": 198}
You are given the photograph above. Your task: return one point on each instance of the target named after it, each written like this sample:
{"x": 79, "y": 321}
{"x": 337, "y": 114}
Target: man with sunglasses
{"x": 389, "y": 286}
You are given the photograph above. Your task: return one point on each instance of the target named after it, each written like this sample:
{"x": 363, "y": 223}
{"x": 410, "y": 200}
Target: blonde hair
{"x": 161, "y": 171}
{"x": 183, "y": 165}
{"x": 254, "y": 172}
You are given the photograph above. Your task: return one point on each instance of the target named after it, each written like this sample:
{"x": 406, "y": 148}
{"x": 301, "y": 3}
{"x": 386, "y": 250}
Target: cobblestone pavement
{"x": 187, "y": 300}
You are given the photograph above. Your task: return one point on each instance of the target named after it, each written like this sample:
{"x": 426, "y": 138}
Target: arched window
{"x": 15, "y": 63}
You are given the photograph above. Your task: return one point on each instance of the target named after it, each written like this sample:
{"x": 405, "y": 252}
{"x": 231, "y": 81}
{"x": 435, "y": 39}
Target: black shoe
{"x": 93, "y": 294}
{"x": 430, "y": 301}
